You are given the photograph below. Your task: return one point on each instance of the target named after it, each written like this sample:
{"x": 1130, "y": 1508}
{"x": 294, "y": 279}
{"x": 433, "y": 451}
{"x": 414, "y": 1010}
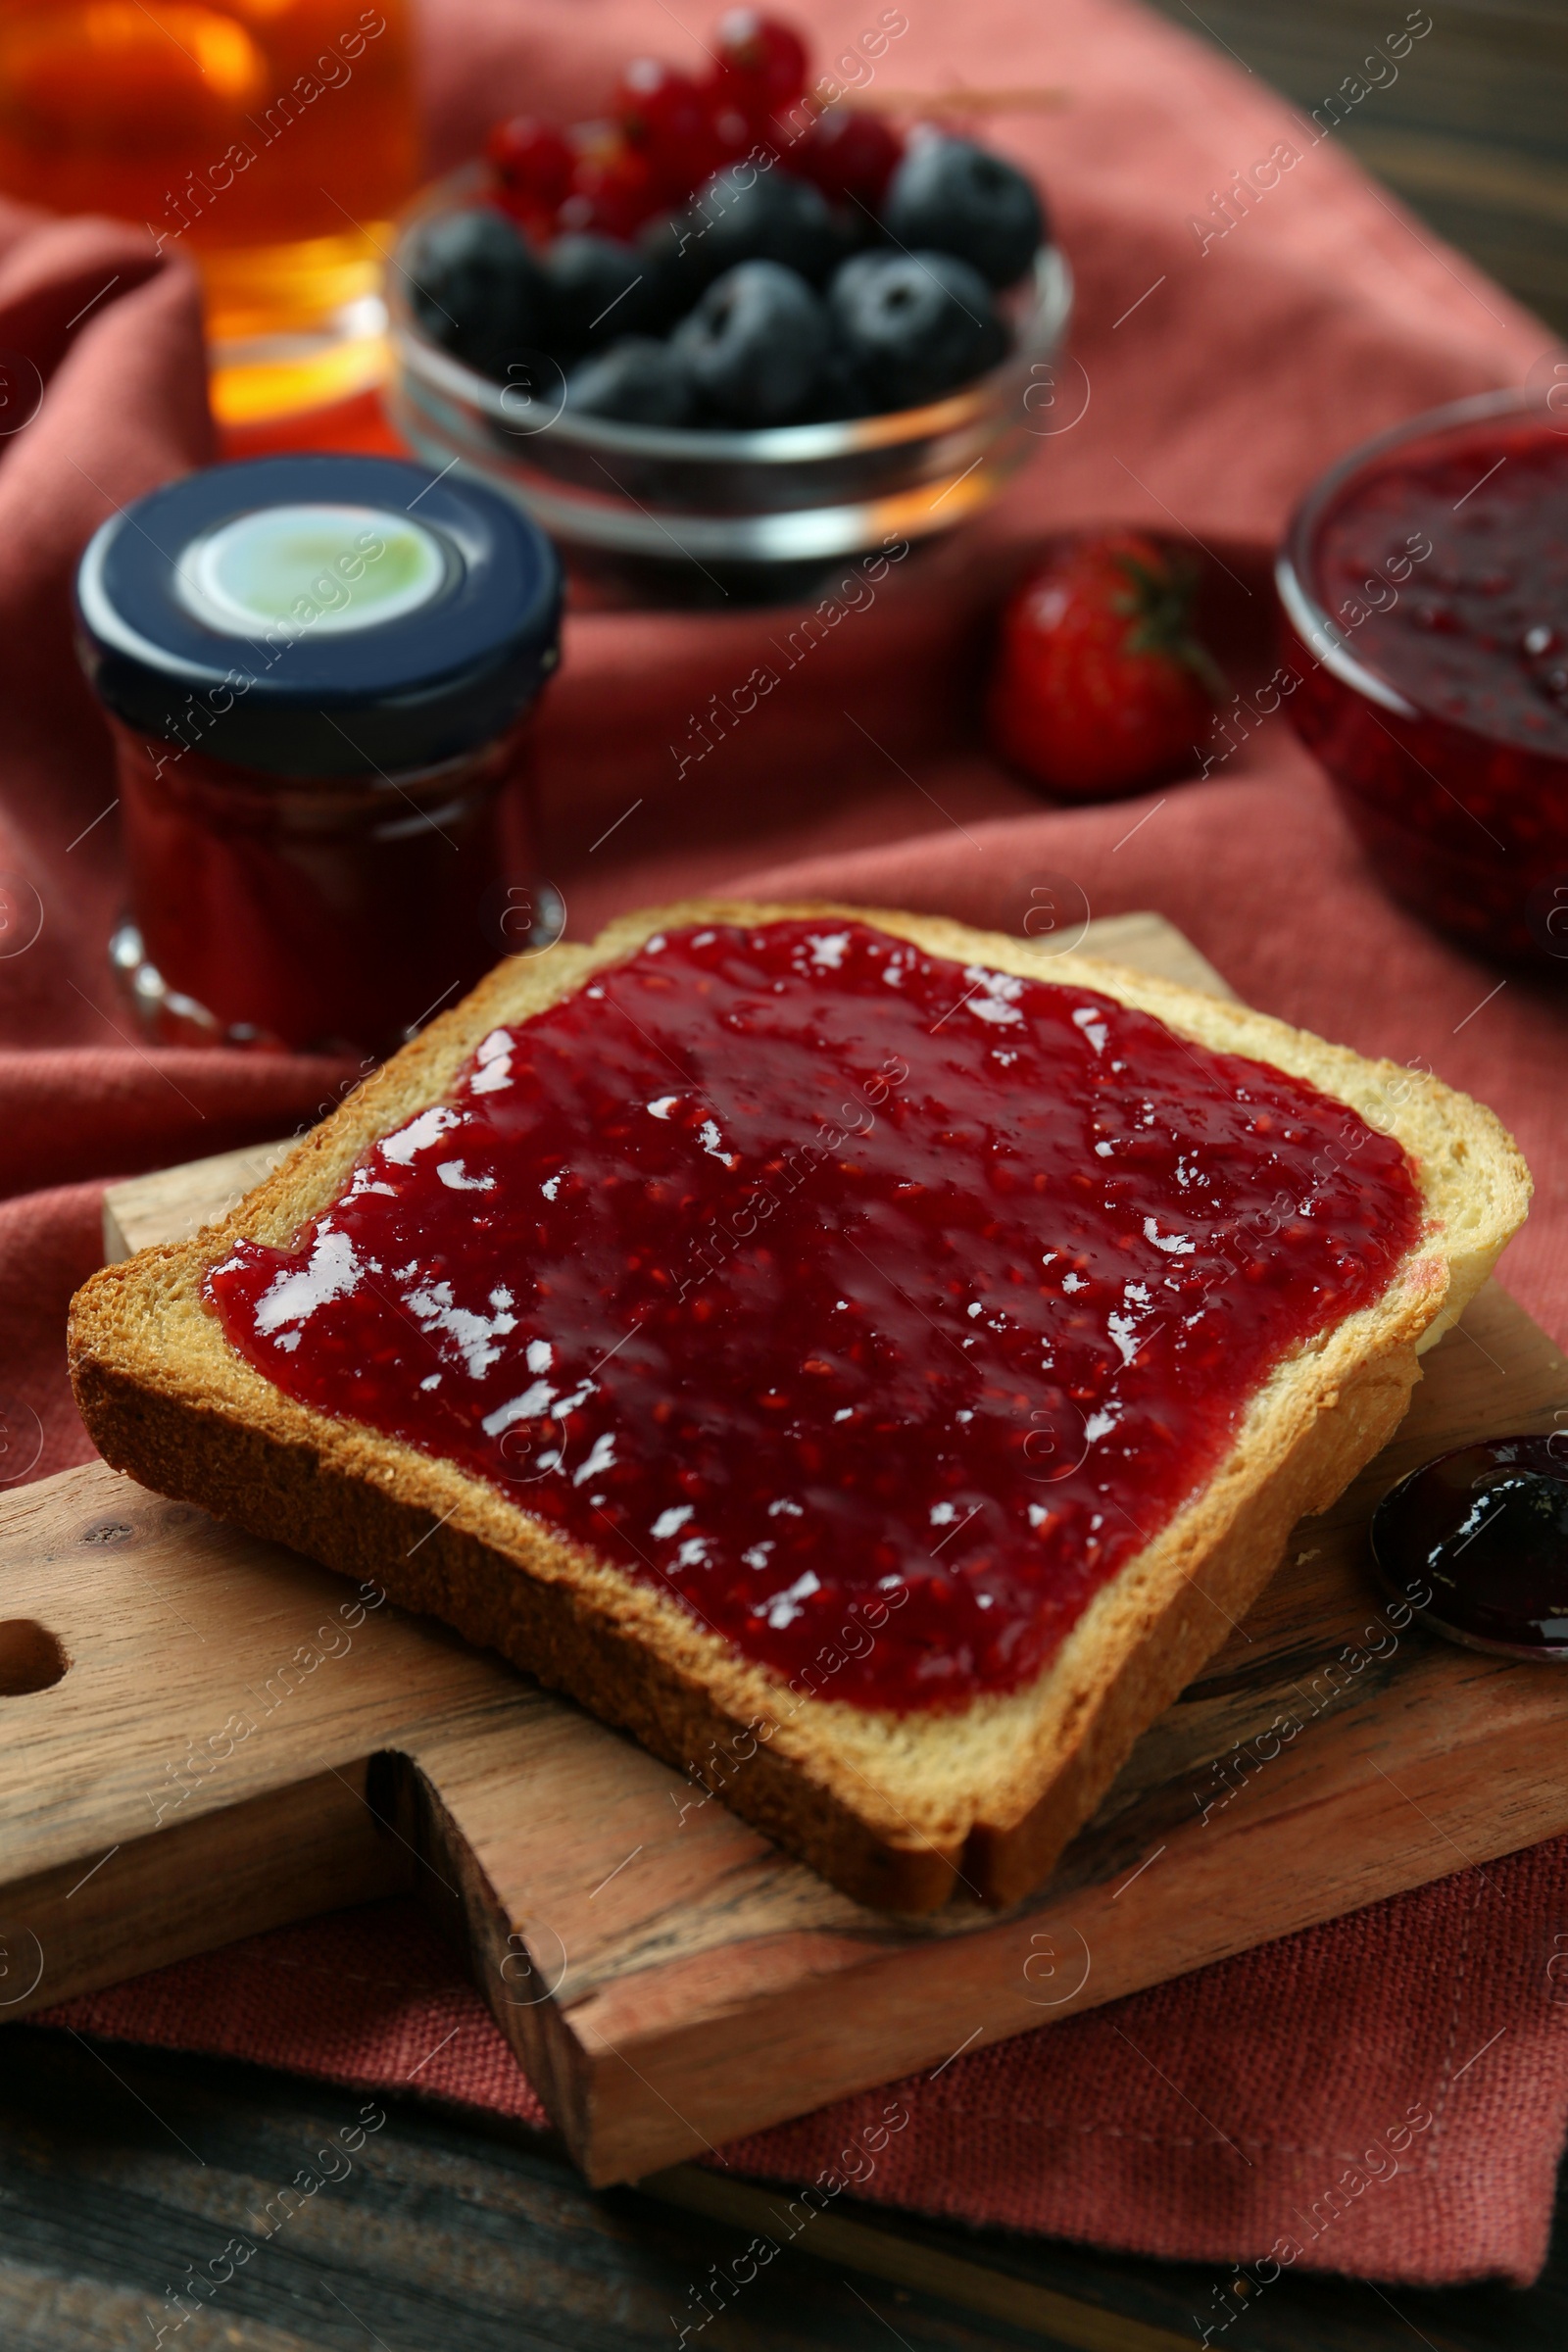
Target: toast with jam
{"x": 869, "y": 1360}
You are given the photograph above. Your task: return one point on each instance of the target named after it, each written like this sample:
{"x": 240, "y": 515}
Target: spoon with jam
{"x": 1483, "y": 1532}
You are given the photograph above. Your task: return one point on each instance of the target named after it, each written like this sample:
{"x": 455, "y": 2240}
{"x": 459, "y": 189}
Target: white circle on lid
{"x": 307, "y": 570}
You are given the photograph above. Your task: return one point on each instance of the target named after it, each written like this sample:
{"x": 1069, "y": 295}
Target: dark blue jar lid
{"x": 319, "y": 616}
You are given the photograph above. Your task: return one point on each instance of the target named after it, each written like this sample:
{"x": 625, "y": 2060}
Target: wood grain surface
{"x": 119, "y": 2168}
{"x": 1470, "y": 133}
{"x": 242, "y": 1738}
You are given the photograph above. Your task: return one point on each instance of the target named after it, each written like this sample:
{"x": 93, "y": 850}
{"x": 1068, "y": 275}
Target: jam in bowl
{"x": 1424, "y": 582}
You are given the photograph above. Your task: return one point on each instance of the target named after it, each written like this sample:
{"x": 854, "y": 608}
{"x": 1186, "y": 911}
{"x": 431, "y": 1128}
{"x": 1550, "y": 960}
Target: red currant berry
{"x": 613, "y": 185}
{"x": 763, "y": 65}
{"x": 665, "y": 117}
{"x": 532, "y": 161}
{"x": 850, "y": 157}
{"x": 730, "y": 135}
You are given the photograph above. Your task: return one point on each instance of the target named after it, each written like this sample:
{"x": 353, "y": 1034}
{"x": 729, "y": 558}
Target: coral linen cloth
{"x": 1265, "y": 2100}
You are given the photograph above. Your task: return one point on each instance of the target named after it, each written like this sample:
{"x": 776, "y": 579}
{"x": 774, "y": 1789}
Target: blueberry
{"x": 667, "y": 250}
{"x": 955, "y": 197}
{"x": 750, "y": 215}
{"x": 852, "y": 279}
{"x": 842, "y": 389}
{"x": 756, "y": 343}
{"x": 919, "y": 324}
{"x": 637, "y": 381}
{"x": 476, "y": 288}
{"x": 599, "y": 291}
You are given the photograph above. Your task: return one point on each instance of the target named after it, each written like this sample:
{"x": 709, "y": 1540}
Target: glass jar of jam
{"x": 320, "y": 674}
{"x": 1424, "y": 583}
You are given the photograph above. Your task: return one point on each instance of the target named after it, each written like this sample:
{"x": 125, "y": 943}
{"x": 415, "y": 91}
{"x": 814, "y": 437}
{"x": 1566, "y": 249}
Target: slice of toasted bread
{"x": 898, "y": 1808}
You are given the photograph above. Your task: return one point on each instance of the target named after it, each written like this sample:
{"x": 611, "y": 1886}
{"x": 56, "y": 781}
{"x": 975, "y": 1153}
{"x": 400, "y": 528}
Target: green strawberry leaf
{"x": 1158, "y": 602}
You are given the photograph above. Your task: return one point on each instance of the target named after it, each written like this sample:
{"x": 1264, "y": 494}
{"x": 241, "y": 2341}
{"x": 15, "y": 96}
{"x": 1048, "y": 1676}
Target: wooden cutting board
{"x": 238, "y": 1739}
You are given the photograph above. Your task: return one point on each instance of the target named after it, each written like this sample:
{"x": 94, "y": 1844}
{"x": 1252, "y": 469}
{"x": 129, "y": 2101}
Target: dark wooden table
{"x": 1474, "y": 132}
{"x": 122, "y": 2170}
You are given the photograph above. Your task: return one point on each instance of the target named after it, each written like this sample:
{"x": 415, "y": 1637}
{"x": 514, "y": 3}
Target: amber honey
{"x": 270, "y": 140}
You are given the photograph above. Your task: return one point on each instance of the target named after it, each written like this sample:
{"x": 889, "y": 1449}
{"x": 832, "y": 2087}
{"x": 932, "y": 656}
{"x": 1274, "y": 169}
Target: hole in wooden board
{"x": 31, "y": 1657}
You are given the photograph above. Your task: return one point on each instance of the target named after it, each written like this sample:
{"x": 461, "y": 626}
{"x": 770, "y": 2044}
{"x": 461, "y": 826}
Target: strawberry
{"x": 1100, "y": 686}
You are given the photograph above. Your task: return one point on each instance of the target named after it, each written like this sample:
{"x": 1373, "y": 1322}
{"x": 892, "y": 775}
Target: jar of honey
{"x": 319, "y": 673}
{"x": 270, "y": 140}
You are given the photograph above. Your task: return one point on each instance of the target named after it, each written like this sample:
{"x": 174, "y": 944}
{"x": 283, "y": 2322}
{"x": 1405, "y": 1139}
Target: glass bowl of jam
{"x": 1424, "y": 584}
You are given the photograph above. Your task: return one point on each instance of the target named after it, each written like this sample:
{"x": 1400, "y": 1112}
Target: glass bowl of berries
{"x": 1424, "y": 587}
{"x": 736, "y": 334}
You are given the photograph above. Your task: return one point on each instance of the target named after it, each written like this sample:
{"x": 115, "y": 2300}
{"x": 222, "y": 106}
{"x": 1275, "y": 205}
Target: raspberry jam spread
{"x": 875, "y": 1306}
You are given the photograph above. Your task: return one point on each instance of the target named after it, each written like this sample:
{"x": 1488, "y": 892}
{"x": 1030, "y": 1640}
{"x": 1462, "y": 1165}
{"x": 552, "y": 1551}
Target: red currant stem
{"x": 922, "y": 104}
